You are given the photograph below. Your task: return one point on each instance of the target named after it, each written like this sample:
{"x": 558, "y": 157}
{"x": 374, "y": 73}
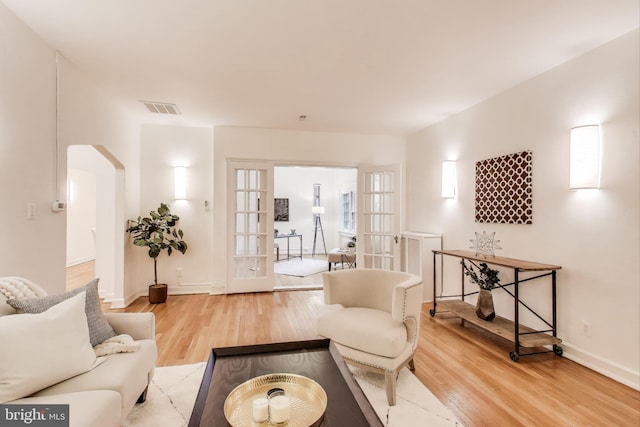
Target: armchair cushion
{"x": 369, "y": 330}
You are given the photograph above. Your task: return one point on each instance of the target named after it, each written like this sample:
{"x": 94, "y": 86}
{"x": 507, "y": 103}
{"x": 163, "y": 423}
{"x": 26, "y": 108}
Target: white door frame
{"x": 250, "y": 226}
{"x": 266, "y": 283}
{"x": 379, "y": 216}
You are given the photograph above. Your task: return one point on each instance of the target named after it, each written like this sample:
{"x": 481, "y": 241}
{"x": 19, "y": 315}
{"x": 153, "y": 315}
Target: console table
{"x": 289, "y": 236}
{"x": 521, "y": 336}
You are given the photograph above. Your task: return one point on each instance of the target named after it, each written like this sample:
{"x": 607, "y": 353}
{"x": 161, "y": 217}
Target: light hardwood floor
{"x": 468, "y": 369}
{"x": 80, "y": 274}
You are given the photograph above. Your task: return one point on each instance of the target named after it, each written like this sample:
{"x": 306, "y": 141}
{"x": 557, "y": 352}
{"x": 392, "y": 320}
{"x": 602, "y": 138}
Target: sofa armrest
{"x": 138, "y": 325}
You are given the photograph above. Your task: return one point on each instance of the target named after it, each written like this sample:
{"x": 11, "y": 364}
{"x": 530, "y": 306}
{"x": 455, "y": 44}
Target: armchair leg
{"x": 412, "y": 365}
{"x": 390, "y": 378}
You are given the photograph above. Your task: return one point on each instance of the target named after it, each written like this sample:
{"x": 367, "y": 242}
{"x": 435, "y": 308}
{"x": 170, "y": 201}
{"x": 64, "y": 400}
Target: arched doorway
{"x": 104, "y": 175}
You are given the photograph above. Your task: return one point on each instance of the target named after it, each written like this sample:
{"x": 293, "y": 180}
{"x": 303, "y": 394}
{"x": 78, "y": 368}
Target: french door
{"x": 379, "y": 217}
{"x": 249, "y": 226}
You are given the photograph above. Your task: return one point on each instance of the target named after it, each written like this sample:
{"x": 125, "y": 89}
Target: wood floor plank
{"x": 468, "y": 369}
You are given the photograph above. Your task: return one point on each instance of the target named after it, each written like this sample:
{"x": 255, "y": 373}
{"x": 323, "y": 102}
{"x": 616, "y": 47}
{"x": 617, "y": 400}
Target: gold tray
{"x": 308, "y": 400}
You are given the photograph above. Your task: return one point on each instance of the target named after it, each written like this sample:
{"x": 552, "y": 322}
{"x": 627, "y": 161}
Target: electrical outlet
{"x": 179, "y": 271}
{"x": 586, "y": 328}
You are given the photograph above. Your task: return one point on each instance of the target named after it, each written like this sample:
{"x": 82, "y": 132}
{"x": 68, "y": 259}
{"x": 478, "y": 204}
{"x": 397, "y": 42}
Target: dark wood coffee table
{"x": 316, "y": 359}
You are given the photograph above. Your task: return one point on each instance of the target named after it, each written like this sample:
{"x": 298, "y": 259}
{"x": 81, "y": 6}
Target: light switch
{"x": 31, "y": 210}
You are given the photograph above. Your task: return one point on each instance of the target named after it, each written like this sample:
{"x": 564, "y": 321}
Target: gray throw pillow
{"x": 99, "y": 328}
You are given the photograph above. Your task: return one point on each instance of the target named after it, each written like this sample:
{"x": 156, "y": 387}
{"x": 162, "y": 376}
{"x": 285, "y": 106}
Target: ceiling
{"x": 355, "y": 66}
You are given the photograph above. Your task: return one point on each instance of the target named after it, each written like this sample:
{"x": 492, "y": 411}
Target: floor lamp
{"x": 317, "y": 211}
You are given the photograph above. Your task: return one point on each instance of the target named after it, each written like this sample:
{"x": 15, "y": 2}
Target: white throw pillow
{"x": 39, "y": 350}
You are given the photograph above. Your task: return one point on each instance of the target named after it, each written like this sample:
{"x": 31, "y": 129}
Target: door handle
{"x": 396, "y": 239}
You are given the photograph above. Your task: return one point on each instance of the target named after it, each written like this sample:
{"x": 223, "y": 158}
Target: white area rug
{"x": 173, "y": 392}
{"x": 415, "y": 404}
{"x": 300, "y": 268}
{"x": 170, "y": 397}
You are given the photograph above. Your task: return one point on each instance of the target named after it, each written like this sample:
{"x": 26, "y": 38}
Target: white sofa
{"x": 104, "y": 395}
{"x": 374, "y": 319}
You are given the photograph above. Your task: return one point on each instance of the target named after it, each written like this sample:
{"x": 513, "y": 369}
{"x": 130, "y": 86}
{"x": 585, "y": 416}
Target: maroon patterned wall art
{"x": 504, "y": 189}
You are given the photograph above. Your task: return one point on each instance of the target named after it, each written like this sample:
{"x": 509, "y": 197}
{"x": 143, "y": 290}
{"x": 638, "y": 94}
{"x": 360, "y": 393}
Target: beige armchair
{"x": 375, "y": 320}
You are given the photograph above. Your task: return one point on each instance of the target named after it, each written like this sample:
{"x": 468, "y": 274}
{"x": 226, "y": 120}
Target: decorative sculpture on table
{"x": 485, "y": 244}
{"x": 487, "y": 279}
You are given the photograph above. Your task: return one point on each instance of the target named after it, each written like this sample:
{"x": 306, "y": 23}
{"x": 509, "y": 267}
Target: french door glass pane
{"x": 250, "y": 240}
{"x": 379, "y": 217}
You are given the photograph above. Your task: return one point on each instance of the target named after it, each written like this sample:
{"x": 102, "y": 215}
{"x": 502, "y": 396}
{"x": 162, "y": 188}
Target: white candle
{"x": 260, "y": 409}
{"x": 279, "y": 409}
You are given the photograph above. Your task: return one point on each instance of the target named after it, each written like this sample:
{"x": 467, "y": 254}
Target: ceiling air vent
{"x": 161, "y": 107}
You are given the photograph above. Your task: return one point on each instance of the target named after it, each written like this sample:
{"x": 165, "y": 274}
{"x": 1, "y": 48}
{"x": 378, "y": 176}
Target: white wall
{"x": 163, "y": 148}
{"x": 593, "y": 235}
{"x": 88, "y": 116}
{"x": 27, "y": 157}
{"x": 288, "y": 147}
{"x": 36, "y": 248}
{"x": 296, "y": 184}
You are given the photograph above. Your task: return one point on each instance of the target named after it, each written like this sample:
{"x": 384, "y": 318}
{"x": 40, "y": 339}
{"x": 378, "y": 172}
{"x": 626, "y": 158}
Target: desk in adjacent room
{"x": 288, "y": 237}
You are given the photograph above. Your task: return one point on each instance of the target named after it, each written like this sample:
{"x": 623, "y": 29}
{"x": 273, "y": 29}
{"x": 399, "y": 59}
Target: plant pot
{"x": 158, "y": 293}
{"x": 484, "y": 305}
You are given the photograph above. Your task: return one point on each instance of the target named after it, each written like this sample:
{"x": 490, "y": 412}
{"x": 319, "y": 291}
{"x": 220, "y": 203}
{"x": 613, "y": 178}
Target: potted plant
{"x": 487, "y": 279}
{"x": 158, "y": 232}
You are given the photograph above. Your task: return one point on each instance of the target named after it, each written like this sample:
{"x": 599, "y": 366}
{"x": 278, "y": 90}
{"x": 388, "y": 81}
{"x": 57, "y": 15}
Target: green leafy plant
{"x": 158, "y": 232}
{"x": 486, "y": 278}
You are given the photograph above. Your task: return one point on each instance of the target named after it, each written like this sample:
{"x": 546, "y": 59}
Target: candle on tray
{"x": 260, "y": 409}
{"x": 279, "y": 409}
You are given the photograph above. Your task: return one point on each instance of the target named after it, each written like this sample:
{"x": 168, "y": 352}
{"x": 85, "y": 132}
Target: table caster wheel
{"x": 432, "y": 312}
{"x": 557, "y": 350}
{"x": 514, "y": 356}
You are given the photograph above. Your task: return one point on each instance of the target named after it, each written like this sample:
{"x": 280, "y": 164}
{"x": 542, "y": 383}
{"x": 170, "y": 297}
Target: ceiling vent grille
{"x": 162, "y": 107}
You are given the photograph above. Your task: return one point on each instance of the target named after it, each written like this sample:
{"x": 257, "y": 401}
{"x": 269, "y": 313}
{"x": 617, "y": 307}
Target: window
{"x": 349, "y": 211}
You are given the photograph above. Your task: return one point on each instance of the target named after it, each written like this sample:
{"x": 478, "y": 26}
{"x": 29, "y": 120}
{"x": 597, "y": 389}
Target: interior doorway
{"x": 95, "y": 218}
{"x": 306, "y": 189}
{"x": 81, "y": 224}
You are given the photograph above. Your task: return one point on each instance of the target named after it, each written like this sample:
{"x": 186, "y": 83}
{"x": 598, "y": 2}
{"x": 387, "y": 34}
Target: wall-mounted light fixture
{"x": 584, "y": 167}
{"x": 448, "y": 179}
{"x": 180, "y": 182}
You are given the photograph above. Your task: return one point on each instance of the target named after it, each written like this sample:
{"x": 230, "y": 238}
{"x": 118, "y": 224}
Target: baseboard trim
{"x": 190, "y": 288}
{"x": 79, "y": 261}
{"x": 605, "y": 367}
{"x": 118, "y": 303}
{"x": 217, "y": 290}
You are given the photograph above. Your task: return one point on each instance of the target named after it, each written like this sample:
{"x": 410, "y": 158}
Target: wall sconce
{"x": 180, "y": 183}
{"x": 584, "y": 167}
{"x": 448, "y": 179}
